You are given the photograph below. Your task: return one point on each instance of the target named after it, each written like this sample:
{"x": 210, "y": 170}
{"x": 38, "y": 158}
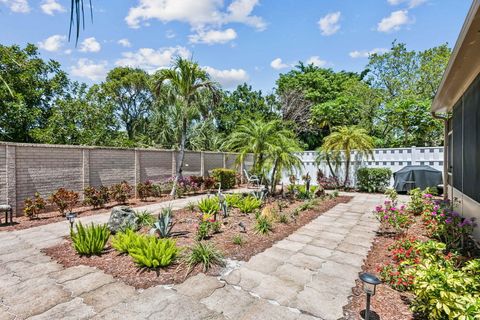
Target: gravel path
{"x": 308, "y": 275}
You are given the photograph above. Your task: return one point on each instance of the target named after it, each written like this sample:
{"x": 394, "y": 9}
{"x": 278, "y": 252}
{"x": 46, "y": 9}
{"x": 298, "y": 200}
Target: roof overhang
{"x": 464, "y": 64}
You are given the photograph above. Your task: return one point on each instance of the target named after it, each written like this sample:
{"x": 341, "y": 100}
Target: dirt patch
{"x": 387, "y": 302}
{"x": 122, "y": 266}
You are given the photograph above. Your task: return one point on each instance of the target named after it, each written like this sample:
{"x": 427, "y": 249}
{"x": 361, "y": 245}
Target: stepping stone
{"x": 71, "y": 273}
{"x": 318, "y": 251}
{"x": 72, "y": 310}
{"x": 307, "y": 261}
{"x": 199, "y": 286}
{"x": 276, "y": 289}
{"x": 296, "y": 274}
{"x": 263, "y": 263}
{"x": 231, "y": 302}
{"x": 108, "y": 295}
{"x": 326, "y": 305}
{"x": 289, "y": 245}
{"x": 87, "y": 283}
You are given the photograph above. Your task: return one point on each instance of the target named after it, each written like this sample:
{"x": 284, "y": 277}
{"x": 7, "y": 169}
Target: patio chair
{"x": 8, "y": 212}
{"x": 252, "y": 180}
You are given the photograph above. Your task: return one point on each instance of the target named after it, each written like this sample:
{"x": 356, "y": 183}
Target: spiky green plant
{"x": 249, "y": 204}
{"x": 151, "y": 252}
{"x": 233, "y": 200}
{"x": 238, "y": 240}
{"x": 263, "y": 225}
{"x": 164, "y": 225}
{"x": 283, "y": 218}
{"x": 89, "y": 240}
{"x": 145, "y": 218}
{"x": 124, "y": 241}
{"x": 209, "y": 206}
{"x": 205, "y": 254}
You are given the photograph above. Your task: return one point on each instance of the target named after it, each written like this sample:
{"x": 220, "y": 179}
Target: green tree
{"x": 344, "y": 140}
{"x": 186, "y": 82}
{"x": 33, "y": 85}
{"x": 129, "y": 91}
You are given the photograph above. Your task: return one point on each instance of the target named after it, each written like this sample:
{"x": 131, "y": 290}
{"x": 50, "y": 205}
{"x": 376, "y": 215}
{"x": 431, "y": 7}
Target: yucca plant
{"x": 151, "y": 252}
{"x": 209, "y": 206}
{"x": 145, "y": 218}
{"x": 263, "y": 225}
{"x": 89, "y": 240}
{"x": 164, "y": 225}
{"x": 124, "y": 241}
{"x": 249, "y": 204}
{"x": 205, "y": 254}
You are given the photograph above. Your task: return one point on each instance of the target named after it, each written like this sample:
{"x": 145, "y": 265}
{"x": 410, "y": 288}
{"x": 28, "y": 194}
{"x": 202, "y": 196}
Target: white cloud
{"x": 51, "y": 6}
{"x": 366, "y": 53}
{"x": 19, "y": 6}
{"x": 53, "y": 43}
{"x": 394, "y": 21}
{"x": 90, "y": 45}
{"x": 197, "y": 13}
{"x": 316, "y": 61}
{"x": 329, "y": 24}
{"x": 228, "y": 78}
{"x": 170, "y": 34}
{"x": 150, "y": 59}
{"x": 124, "y": 43}
{"x": 278, "y": 64}
{"x": 410, "y": 3}
{"x": 213, "y": 36}
{"x": 86, "y": 68}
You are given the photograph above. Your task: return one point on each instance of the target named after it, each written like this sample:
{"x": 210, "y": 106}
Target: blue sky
{"x": 235, "y": 40}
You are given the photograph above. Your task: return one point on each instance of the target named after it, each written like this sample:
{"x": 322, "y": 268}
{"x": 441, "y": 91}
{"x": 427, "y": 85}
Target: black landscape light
{"x": 71, "y": 218}
{"x": 370, "y": 283}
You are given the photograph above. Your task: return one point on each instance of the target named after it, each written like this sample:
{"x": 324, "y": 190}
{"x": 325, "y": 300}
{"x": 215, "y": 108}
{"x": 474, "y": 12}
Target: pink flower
{"x": 434, "y": 213}
{"x": 385, "y": 217}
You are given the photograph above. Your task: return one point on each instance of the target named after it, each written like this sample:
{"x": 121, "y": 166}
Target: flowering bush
{"x": 419, "y": 201}
{"x": 207, "y": 226}
{"x": 393, "y": 217}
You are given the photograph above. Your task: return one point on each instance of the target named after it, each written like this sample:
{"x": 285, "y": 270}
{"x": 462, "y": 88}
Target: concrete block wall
{"x": 29, "y": 168}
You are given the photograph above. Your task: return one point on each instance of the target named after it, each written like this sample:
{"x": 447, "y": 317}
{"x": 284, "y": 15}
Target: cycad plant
{"x": 344, "y": 140}
{"x": 89, "y": 240}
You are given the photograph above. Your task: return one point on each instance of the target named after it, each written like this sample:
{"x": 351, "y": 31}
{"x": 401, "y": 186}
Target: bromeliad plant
{"x": 89, "y": 240}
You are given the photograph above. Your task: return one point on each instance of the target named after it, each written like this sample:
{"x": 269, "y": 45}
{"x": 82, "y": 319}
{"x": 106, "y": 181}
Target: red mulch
{"x": 122, "y": 266}
{"x": 387, "y": 302}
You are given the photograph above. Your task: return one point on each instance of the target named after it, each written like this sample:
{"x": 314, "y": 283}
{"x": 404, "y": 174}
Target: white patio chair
{"x": 252, "y": 180}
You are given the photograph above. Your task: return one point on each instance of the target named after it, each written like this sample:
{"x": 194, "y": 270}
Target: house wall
{"x": 29, "y": 168}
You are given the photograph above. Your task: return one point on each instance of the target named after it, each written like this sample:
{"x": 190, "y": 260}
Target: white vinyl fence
{"x": 394, "y": 159}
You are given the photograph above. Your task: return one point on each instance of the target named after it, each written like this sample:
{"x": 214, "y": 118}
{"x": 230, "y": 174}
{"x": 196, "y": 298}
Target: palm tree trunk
{"x": 273, "y": 182}
{"x": 180, "y": 158}
{"x": 347, "y": 170}
{"x": 332, "y": 172}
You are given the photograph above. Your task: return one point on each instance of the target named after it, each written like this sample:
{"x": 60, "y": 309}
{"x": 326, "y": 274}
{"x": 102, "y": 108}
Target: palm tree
{"x": 183, "y": 85}
{"x": 283, "y": 157}
{"x": 346, "y": 139}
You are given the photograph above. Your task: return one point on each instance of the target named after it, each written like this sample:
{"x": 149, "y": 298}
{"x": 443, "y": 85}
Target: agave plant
{"x": 164, "y": 225}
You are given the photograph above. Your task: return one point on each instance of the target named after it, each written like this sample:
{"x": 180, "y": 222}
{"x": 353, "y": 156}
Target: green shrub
{"x": 226, "y": 177}
{"x": 303, "y": 194}
{"x": 32, "y": 207}
{"x": 96, "y": 197}
{"x": 233, "y": 200}
{"x": 151, "y": 252}
{"x": 124, "y": 241}
{"x": 144, "y": 218}
{"x": 205, "y": 254}
{"x": 283, "y": 218}
{"x": 64, "y": 200}
{"x": 263, "y": 225}
{"x": 373, "y": 179}
{"x": 121, "y": 192}
{"x": 89, "y": 240}
{"x": 238, "y": 240}
{"x": 209, "y": 206}
{"x": 416, "y": 204}
{"x": 164, "y": 224}
{"x": 249, "y": 204}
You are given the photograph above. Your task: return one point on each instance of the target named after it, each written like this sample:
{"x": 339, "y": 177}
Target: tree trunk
{"x": 273, "y": 183}
{"x": 332, "y": 172}
{"x": 347, "y": 170}
{"x": 180, "y": 158}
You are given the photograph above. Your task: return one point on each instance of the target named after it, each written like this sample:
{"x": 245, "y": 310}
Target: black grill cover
{"x": 422, "y": 176}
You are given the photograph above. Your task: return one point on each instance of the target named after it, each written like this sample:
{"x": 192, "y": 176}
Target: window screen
{"x": 471, "y": 141}
{"x": 457, "y": 149}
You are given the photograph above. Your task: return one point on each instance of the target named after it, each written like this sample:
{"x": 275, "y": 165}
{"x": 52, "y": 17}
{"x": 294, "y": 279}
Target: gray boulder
{"x": 121, "y": 218}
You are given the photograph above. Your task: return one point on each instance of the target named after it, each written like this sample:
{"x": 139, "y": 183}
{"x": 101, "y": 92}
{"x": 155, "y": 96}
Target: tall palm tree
{"x": 183, "y": 84}
{"x": 346, "y": 139}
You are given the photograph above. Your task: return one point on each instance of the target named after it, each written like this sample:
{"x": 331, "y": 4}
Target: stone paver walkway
{"x": 309, "y": 275}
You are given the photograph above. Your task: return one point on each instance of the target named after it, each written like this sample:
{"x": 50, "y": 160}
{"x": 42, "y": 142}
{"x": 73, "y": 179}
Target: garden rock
{"x": 121, "y": 218}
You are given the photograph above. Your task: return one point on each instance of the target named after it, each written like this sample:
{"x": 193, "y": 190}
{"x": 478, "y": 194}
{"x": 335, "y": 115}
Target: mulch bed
{"x": 52, "y": 216}
{"x": 122, "y": 267}
{"x": 387, "y": 302}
